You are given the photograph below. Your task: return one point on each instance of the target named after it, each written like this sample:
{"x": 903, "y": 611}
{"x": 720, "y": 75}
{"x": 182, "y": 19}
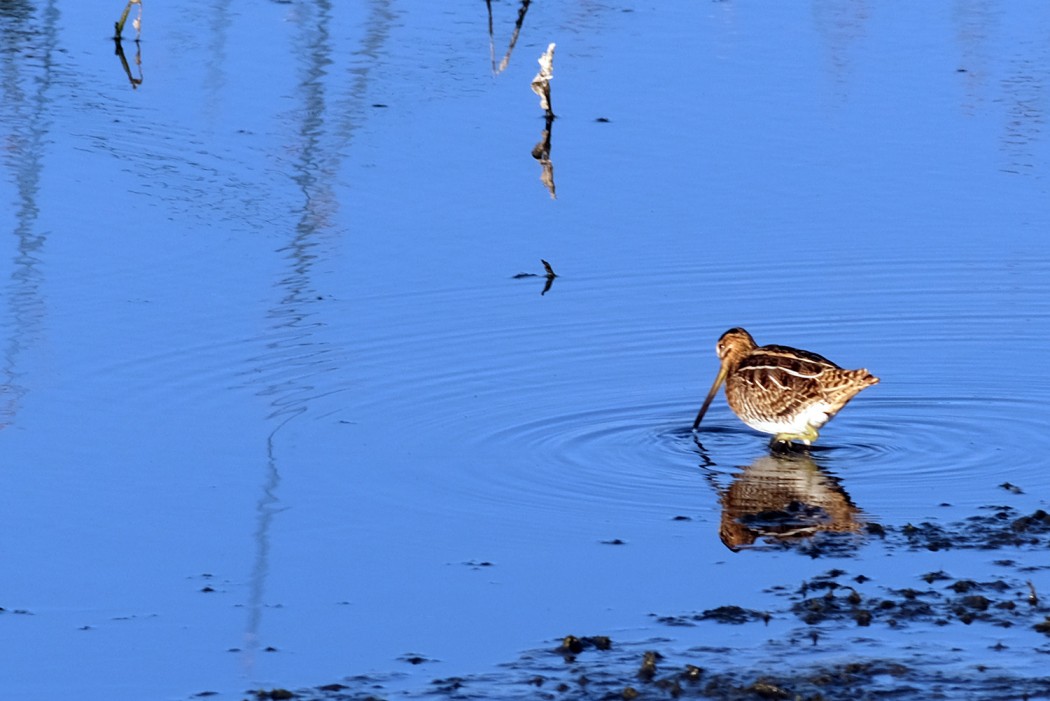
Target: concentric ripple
{"x": 583, "y": 399}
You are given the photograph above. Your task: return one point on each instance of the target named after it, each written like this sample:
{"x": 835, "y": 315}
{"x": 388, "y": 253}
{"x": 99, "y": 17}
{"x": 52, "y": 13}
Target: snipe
{"x": 788, "y": 392}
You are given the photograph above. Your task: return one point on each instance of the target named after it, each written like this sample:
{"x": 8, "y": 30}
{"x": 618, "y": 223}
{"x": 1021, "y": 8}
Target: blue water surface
{"x": 277, "y": 408}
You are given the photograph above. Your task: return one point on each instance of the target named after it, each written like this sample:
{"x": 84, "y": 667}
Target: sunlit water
{"x": 277, "y": 408}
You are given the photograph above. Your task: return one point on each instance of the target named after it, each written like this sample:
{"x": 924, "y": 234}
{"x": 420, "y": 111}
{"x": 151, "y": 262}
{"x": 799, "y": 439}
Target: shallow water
{"x": 277, "y": 406}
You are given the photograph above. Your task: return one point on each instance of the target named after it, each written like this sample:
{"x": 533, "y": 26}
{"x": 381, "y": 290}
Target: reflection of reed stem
{"x": 513, "y": 39}
{"x": 542, "y": 153}
{"x": 492, "y": 37}
{"x": 119, "y": 50}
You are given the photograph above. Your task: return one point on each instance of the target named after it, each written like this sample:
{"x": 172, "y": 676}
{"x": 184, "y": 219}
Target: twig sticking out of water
{"x": 541, "y": 84}
{"x": 550, "y": 276}
{"x": 513, "y": 39}
{"x": 136, "y": 23}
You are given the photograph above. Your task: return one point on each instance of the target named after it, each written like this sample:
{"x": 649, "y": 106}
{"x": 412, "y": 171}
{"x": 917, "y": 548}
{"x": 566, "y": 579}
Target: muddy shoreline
{"x": 839, "y": 634}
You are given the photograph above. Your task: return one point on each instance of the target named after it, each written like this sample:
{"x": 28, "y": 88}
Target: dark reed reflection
{"x": 118, "y": 49}
{"x": 783, "y": 497}
{"x": 294, "y": 361}
{"x": 522, "y": 11}
{"x": 27, "y": 73}
{"x": 542, "y": 153}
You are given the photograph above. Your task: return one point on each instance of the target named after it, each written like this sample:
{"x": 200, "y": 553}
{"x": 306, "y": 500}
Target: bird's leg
{"x": 806, "y": 437}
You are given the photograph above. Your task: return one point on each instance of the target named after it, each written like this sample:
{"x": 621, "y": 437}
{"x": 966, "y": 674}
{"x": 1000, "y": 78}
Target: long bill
{"x": 722, "y": 372}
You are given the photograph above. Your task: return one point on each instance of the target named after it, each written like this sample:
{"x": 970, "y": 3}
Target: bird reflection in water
{"x": 786, "y": 498}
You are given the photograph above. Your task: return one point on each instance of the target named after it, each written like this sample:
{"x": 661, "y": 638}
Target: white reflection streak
{"x": 26, "y": 114}
{"x": 294, "y": 356}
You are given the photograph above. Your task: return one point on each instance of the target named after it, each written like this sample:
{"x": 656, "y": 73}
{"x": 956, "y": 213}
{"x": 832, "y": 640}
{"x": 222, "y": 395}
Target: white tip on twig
{"x": 541, "y": 84}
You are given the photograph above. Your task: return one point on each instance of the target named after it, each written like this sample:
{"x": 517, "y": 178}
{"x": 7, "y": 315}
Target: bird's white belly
{"x": 815, "y": 415}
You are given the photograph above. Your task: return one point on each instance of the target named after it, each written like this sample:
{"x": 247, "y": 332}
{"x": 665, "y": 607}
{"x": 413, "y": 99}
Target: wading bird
{"x": 788, "y": 392}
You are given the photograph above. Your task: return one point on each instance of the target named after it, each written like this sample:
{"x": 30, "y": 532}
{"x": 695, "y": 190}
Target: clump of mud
{"x": 996, "y": 527}
{"x": 999, "y": 601}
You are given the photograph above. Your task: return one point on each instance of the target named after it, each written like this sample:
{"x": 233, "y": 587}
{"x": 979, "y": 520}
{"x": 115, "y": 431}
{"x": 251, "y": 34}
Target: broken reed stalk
{"x": 137, "y": 22}
{"x": 541, "y": 84}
